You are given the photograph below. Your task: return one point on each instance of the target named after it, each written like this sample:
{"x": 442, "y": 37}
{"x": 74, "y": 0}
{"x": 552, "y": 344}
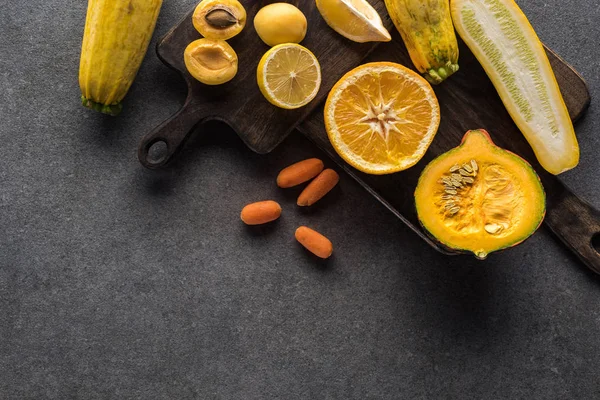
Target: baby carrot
{"x": 314, "y": 242}
{"x": 260, "y": 212}
{"x": 299, "y": 173}
{"x": 318, "y": 188}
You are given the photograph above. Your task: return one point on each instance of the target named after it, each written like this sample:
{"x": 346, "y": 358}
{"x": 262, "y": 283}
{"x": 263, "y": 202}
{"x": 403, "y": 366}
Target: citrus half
{"x": 289, "y": 75}
{"x": 381, "y": 117}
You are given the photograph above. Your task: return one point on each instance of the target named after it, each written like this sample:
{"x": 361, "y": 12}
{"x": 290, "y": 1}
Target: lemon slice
{"x": 381, "y": 117}
{"x": 356, "y": 20}
{"x": 289, "y": 75}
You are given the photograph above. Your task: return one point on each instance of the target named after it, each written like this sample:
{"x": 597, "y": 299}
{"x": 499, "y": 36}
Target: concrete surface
{"x": 121, "y": 283}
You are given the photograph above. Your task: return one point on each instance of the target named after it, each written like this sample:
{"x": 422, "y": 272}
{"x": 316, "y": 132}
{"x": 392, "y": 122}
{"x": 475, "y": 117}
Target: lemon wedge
{"x": 356, "y": 20}
{"x": 289, "y": 75}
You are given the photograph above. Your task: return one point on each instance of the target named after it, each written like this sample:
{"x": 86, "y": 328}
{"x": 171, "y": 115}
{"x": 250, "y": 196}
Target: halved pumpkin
{"x": 480, "y": 198}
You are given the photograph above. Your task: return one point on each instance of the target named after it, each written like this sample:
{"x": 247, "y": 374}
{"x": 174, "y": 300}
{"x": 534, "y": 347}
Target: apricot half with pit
{"x": 211, "y": 61}
{"x": 219, "y": 19}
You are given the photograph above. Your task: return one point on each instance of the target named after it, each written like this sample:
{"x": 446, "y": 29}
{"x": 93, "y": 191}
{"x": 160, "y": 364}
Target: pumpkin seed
{"x": 457, "y": 177}
{"x": 467, "y": 168}
{"x": 454, "y": 210}
{"x": 492, "y": 228}
{"x": 474, "y": 165}
{"x": 455, "y": 167}
{"x": 451, "y": 191}
{"x": 468, "y": 179}
{"x": 448, "y": 197}
{"x": 463, "y": 172}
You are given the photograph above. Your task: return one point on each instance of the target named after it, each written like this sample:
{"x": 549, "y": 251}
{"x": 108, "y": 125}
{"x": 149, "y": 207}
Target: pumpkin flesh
{"x": 500, "y": 202}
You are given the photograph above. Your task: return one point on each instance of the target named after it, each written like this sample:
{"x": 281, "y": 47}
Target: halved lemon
{"x": 289, "y": 75}
{"x": 381, "y": 117}
{"x": 356, "y": 20}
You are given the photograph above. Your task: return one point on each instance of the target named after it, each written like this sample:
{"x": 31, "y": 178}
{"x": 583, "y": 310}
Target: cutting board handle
{"x": 158, "y": 147}
{"x": 576, "y": 224}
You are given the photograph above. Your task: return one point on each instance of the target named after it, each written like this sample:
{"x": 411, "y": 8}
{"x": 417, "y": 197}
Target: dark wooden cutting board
{"x": 239, "y": 102}
{"x": 468, "y": 101}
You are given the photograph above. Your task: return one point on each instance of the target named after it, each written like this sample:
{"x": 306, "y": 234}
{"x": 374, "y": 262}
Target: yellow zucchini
{"x": 115, "y": 40}
{"x": 502, "y": 39}
{"x": 427, "y": 31}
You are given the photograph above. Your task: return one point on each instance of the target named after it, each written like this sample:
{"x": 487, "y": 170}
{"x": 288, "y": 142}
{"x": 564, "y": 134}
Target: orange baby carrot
{"x": 314, "y": 242}
{"x": 299, "y": 173}
{"x": 260, "y": 212}
{"x": 318, "y": 188}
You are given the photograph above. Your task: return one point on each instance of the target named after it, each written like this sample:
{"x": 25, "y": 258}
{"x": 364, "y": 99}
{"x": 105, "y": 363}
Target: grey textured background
{"x": 118, "y": 283}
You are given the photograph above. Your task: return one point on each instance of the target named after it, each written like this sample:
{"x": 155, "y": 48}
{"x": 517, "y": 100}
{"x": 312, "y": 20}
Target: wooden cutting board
{"x": 239, "y": 102}
{"x": 468, "y": 101}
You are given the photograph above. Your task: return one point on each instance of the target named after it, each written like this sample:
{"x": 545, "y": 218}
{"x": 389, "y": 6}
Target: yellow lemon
{"x": 356, "y": 20}
{"x": 289, "y": 75}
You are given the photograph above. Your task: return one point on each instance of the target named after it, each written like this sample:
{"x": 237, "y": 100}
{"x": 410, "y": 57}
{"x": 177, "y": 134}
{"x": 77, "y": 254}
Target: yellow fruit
{"x": 381, "y": 117}
{"x": 289, "y": 75}
{"x": 115, "y": 40}
{"x": 356, "y": 20}
{"x": 219, "y": 19}
{"x": 427, "y": 31}
{"x": 211, "y": 61}
{"x": 280, "y": 23}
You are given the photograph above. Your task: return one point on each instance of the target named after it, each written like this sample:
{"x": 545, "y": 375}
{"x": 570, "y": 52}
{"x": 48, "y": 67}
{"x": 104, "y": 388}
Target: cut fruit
{"x": 289, "y": 76}
{"x": 500, "y": 36}
{"x": 356, "y": 20}
{"x": 480, "y": 198}
{"x": 211, "y": 61}
{"x": 381, "y": 117}
{"x": 219, "y": 19}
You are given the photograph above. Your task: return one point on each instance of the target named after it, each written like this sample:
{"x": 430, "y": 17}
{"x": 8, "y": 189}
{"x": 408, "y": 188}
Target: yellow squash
{"x": 480, "y": 198}
{"x": 510, "y": 52}
{"x": 427, "y": 30}
{"x": 115, "y": 39}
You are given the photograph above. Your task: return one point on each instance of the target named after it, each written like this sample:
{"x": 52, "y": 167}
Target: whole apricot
{"x": 280, "y": 23}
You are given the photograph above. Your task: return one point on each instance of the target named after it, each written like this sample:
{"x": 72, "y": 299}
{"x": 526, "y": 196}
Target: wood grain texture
{"x": 239, "y": 102}
{"x": 468, "y": 100}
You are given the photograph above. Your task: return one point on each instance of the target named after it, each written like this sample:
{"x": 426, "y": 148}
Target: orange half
{"x": 381, "y": 117}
